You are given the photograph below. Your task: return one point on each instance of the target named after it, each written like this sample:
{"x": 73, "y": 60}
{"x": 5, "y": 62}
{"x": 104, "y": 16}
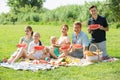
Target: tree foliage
{"x": 16, "y": 5}
{"x": 114, "y": 6}
{"x": 26, "y": 11}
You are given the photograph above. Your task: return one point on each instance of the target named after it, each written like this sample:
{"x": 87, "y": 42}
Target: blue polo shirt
{"x": 81, "y": 39}
{"x": 98, "y": 35}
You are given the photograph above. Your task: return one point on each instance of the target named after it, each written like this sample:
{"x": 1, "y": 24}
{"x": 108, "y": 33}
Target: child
{"x": 37, "y": 54}
{"x": 54, "y": 48}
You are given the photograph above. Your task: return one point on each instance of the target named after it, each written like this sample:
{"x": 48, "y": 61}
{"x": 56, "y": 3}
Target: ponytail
{"x": 40, "y": 43}
{"x": 32, "y": 33}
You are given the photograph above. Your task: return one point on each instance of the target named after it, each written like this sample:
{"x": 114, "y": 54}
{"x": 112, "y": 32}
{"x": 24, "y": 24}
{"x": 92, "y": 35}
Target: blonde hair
{"x": 52, "y": 37}
{"x": 36, "y": 33}
{"x": 40, "y": 43}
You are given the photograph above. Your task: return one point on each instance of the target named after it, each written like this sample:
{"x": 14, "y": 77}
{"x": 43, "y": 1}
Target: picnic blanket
{"x": 27, "y": 65}
{"x": 84, "y": 62}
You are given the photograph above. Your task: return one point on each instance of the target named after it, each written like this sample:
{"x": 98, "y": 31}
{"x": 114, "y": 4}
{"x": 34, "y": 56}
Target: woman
{"x": 64, "y": 38}
{"x": 23, "y": 40}
{"x": 61, "y": 42}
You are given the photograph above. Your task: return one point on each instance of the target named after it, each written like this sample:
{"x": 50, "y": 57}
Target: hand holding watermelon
{"x": 77, "y": 46}
{"x": 65, "y": 47}
{"x": 38, "y": 47}
{"x": 21, "y": 45}
{"x": 94, "y": 26}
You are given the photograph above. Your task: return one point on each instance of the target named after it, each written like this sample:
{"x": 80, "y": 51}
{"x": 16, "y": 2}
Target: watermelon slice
{"x": 38, "y": 47}
{"x": 43, "y": 61}
{"x": 65, "y": 47}
{"x": 21, "y": 45}
{"x": 77, "y": 46}
{"x": 36, "y": 62}
{"x": 94, "y": 26}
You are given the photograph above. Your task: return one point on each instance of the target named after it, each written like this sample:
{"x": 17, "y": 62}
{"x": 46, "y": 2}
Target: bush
{"x": 60, "y": 15}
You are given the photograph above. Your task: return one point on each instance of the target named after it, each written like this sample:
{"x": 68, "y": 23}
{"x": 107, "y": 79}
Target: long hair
{"x": 30, "y": 28}
{"x": 65, "y": 26}
{"x": 40, "y": 43}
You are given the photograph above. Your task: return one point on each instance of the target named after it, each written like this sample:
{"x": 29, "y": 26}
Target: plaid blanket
{"x": 27, "y": 65}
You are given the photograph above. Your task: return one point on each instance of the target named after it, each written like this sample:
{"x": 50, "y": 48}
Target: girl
{"x": 37, "y": 54}
{"x": 24, "y": 40}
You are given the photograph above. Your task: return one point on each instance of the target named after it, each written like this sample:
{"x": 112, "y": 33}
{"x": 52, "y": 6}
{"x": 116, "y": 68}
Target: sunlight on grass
{"x": 10, "y": 35}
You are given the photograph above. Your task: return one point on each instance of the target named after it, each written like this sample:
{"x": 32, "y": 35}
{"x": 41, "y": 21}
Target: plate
{"x": 38, "y": 47}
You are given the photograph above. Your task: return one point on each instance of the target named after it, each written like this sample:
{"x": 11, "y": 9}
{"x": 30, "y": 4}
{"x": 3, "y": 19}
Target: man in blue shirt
{"x": 79, "y": 37}
{"x": 99, "y": 34}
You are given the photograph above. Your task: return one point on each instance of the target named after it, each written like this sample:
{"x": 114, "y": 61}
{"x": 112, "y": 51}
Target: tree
{"x": 15, "y": 5}
{"x": 114, "y": 6}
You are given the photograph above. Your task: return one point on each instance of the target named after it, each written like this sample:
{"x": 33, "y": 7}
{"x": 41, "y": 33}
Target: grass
{"x": 9, "y": 37}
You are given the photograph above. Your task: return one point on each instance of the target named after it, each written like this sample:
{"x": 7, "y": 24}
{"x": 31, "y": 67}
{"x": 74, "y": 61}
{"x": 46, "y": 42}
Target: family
{"x": 32, "y": 39}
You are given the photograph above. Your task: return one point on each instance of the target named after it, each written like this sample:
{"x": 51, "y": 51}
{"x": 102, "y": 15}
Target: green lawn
{"x": 9, "y": 37}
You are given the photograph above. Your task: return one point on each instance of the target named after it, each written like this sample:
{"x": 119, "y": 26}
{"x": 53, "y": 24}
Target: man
{"x": 99, "y": 34}
{"x": 79, "y": 37}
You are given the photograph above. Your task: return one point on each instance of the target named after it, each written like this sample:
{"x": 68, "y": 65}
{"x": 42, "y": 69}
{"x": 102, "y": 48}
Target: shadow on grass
{"x": 117, "y": 57}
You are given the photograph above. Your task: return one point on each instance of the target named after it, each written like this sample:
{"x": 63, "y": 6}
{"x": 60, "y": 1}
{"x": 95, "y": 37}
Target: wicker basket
{"x": 94, "y": 56}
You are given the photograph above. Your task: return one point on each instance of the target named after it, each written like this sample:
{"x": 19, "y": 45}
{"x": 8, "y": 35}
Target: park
{"x": 12, "y": 28}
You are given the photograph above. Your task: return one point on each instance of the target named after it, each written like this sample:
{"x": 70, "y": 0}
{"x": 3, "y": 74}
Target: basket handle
{"x": 93, "y": 45}
{"x": 97, "y": 50}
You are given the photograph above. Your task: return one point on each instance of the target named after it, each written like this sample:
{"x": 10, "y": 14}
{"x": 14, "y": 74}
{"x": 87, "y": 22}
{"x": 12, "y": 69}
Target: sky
{"x": 52, "y": 4}
{"x": 3, "y": 6}
{"x": 49, "y": 4}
